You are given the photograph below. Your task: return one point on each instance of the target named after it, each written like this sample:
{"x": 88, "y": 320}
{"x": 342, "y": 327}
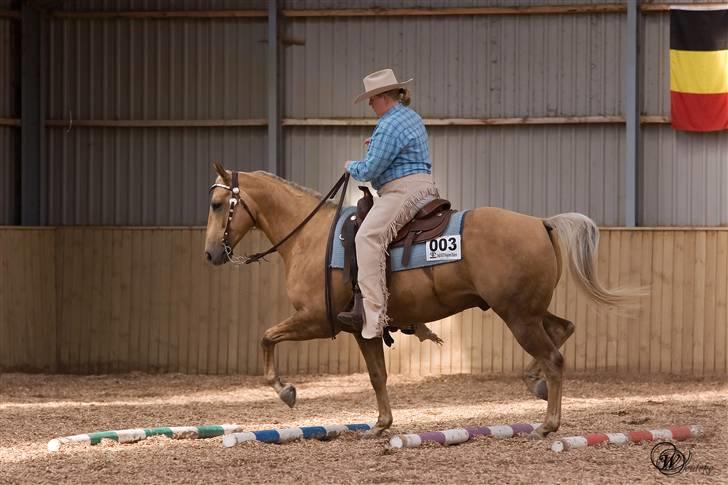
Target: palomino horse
{"x": 510, "y": 262}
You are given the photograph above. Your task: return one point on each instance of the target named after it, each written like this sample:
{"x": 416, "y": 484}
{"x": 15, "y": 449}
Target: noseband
{"x": 235, "y": 199}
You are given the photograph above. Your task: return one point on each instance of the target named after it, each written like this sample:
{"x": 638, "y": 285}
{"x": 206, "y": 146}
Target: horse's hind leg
{"x": 294, "y": 327}
{"x": 373, "y": 352}
{"x": 559, "y": 330}
{"x": 531, "y": 334}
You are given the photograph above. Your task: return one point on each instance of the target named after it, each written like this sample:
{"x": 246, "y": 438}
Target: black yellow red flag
{"x": 699, "y": 67}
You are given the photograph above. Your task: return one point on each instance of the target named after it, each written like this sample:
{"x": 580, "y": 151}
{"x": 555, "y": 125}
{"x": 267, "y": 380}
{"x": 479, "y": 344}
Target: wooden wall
{"x": 28, "y": 310}
{"x": 97, "y": 300}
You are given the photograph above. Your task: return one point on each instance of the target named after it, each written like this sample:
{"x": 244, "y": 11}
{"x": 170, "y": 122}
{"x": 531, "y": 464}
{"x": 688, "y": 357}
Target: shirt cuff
{"x": 353, "y": 167}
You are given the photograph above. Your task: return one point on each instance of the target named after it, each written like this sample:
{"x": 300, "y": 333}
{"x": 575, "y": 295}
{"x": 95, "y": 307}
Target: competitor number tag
{"x": 446, "y": 248}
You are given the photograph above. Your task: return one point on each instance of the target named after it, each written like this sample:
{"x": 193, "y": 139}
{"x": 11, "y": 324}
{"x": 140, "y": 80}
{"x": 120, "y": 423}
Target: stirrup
{"x": 353, "y": 319}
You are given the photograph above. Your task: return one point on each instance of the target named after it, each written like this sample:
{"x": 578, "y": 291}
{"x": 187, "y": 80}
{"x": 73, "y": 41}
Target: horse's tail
{"x": 580, "y": 237}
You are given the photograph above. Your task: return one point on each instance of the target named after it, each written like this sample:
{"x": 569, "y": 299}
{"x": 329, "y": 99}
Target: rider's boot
{"x": 353, "y": 320}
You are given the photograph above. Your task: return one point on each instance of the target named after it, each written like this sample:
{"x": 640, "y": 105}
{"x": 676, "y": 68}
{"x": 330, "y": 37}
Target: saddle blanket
{"x": 418, "y": 256}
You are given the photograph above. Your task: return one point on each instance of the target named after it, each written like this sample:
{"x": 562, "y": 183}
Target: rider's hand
{"x": 366, "y": 142}
{"x": 346, "y": 165}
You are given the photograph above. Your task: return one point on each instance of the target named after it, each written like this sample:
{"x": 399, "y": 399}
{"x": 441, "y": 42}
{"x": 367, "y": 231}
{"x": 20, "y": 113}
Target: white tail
{"x": 580, "y": 237}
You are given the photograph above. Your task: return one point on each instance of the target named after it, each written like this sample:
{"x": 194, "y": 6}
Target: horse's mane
{"x": 294, "y": 185}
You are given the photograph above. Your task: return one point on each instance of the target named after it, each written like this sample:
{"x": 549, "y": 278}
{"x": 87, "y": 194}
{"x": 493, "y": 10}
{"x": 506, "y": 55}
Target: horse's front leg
{"x": 373, "y": 352}
{"x": 295, "y": 327}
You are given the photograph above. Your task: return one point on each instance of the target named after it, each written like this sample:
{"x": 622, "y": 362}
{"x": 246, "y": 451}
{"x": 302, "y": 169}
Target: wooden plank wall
{"x": 145, "y": 299}
{"x": 680, "y": 329}
{"x": 27, "y": 299}
{"x": 96, "y": 300}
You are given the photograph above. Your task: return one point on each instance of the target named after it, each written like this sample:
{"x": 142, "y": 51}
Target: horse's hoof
{"x": 541, "y": 390}
{"x": 375, "y": 432}
{"x": 538, "y": 434}
{"x": 288, "y": 395}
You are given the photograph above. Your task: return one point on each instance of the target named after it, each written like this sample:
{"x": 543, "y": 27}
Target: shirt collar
{"x": 392, "y": 110}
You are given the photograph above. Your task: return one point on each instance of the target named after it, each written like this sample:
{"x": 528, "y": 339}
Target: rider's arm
{"x": 384, "y": 147}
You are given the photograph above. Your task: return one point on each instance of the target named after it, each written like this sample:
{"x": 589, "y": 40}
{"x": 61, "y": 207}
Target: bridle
{"x": 235, "y": 199}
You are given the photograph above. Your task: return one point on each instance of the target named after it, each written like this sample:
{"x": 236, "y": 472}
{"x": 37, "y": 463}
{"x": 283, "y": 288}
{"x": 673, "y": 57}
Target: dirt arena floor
{"x": 37, "y": 408}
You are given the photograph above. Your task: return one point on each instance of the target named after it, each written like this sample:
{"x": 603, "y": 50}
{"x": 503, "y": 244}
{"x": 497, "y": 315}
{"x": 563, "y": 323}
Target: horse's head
{"x": 230, "y": 216}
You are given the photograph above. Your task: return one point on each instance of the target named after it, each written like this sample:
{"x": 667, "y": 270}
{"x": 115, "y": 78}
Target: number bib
{"x": 446, "y": 248}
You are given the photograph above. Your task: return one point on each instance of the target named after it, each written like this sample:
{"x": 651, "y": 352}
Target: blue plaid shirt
{"x": 398, "y": 148}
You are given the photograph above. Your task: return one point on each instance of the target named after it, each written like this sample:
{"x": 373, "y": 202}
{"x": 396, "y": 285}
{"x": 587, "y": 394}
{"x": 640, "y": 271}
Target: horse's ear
{"x": 221, "y": 172}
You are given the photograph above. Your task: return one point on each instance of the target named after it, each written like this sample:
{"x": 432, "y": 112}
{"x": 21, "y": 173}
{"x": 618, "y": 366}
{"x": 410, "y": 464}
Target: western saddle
{"x": 428, "y": 223}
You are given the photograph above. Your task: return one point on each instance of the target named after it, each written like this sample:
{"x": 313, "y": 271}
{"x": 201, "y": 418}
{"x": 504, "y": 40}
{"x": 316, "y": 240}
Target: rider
{"x": 398, "y": 166}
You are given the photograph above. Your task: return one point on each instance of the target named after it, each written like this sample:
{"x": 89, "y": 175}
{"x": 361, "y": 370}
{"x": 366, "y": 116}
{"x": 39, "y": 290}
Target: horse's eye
{"x": 216, "y": 206}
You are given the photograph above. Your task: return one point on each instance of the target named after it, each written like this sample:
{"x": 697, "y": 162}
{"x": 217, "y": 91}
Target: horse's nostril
{"x": 208, "y": 255}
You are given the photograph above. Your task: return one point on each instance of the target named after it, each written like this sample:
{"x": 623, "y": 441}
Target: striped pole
{"x": 138, "y": 434}
{"x": 677, "y": 433}
{"x": 461, "y": 435}
{"x": 291, "y": 434}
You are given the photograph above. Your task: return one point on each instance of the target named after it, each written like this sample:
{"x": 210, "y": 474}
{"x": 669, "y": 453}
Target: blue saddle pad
{"x": 418, "y": 257}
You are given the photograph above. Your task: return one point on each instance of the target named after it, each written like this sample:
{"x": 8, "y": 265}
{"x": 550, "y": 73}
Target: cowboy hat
{"x": 380, "y": 82}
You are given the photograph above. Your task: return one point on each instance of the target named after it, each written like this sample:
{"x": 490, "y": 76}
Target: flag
{"x": 699, "y": 68}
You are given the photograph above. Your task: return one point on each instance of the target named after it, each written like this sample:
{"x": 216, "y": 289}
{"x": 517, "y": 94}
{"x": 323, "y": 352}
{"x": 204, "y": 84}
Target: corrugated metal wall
{"x": 472, "y": 67}
{"x": 540, "y": 170}
{"x": 151, "y": 69}
{"x": 685, "y": 174}
{"x": 464, "y": 66}
{"x": 122, "y": 5}
{"x": 330, "y": 4}
{"x": 140, "y": 176}
{"x": 8, "y": 156}
{"x": 9, "y": 109}
{"x": 148, "y": 69}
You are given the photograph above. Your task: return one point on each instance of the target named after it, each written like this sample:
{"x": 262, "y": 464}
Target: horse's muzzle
{"x": 216, "y": 256}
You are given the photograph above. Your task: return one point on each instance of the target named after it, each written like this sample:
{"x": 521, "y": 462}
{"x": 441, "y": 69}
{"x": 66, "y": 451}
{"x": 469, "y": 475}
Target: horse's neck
{"x": 280, "y": 208}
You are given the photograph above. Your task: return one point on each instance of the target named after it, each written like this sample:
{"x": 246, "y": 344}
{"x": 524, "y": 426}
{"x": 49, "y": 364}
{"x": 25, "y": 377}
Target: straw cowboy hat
{"x": 380, "y": 82}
